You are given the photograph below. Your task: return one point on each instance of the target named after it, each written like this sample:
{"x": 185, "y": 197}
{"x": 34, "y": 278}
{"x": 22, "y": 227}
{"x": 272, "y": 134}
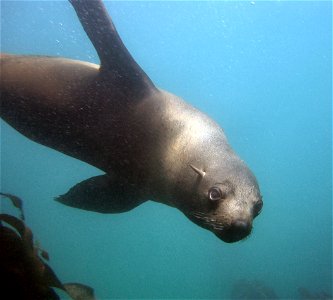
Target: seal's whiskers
{"x": 211, "y": 222}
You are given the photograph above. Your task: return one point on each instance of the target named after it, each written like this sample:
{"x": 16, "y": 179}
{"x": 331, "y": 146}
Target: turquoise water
{"x": 262, "y": 70}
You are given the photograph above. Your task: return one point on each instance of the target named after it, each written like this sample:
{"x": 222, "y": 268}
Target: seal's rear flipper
{"x": 102, "y": 194}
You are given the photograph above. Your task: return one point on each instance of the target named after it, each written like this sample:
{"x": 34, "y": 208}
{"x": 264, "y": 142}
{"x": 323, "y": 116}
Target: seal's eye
{"x": 258, "y": 207}
{"x": 215, "y": 194}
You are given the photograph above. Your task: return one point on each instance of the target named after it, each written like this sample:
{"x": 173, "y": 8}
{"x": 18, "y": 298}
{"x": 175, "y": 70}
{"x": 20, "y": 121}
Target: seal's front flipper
{"x": 102, "y": 194}
{"x": 116, "y": 62}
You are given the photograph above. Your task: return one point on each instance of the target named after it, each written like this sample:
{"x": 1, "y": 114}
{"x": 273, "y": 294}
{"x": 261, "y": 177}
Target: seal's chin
{"x": 234, "y": 233}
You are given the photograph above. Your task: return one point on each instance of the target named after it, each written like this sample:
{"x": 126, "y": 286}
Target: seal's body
{"x": 150, "y": 143}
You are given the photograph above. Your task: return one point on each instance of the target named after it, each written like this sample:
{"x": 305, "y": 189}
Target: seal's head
{"x": 227, "y": 199}
{"x": 203, "y": 177}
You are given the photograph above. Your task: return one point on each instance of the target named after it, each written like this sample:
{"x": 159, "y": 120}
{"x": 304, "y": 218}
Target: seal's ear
{"x": 201, "y": 173}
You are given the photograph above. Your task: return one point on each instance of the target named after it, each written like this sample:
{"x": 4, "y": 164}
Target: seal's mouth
{"x": 232, "y": 233}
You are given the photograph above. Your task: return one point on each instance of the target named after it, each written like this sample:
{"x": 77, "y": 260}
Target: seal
{"x": 151, "y": 144}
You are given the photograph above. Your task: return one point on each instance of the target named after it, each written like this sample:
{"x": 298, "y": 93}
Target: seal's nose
{"x": 241, "y": 226}
{"x": 238, "y": 230}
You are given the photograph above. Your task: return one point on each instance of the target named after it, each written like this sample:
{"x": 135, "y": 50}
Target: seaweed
{"x": 304, "y": 293}
{"x": 23, "y": 268}
{"x": 252, "y": 289}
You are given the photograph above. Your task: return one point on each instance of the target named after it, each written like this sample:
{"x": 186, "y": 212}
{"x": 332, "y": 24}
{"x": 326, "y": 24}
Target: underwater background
{"x": 262, "y": 70}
